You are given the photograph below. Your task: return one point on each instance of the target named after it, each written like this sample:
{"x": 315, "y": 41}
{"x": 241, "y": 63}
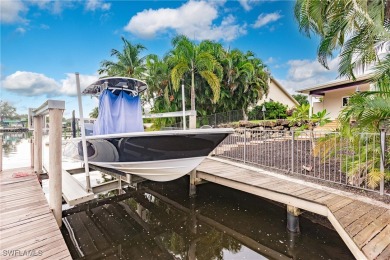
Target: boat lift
{"x": 61, "y": 173}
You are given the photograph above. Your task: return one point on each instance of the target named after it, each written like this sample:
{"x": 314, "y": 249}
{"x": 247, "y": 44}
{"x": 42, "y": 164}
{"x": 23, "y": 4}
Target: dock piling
{"x": 293, "y": 219}
{"x": 32, "y": 152}
{"x": 1, "y": 153}
{"x": 192, "y": 191}
{"x": 38, "y": 144}
{"x": 55, "y": 163}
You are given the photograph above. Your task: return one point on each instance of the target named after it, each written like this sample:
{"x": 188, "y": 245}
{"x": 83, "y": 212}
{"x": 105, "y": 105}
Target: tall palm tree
{"x": 359, "y": 27}
{"x": 190, "y": 59}
{"x": 158, "y": 77}
{"x": 245, "y": 80}
{"x": 128, "y": 64}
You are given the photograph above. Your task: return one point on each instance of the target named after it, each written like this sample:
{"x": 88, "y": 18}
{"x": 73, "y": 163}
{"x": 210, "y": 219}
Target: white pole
{"x": 184, "y": 106}
{"x": 84, "y": 142}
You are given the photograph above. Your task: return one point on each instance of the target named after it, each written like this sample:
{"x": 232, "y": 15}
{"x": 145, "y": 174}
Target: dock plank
{"x": 26, "y": 221}
{"x": 378, "y": 244}
{"x": 369, "y": 232}
{"x": 365, "y": 225}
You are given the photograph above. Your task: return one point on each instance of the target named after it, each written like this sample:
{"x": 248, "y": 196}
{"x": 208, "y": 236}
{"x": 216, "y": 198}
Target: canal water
{"x": 160, "y": 221}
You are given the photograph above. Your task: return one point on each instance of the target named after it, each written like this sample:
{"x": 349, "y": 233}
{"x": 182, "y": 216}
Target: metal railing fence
{"x": 215, "y": 119}
{"x": 328, "y": 156}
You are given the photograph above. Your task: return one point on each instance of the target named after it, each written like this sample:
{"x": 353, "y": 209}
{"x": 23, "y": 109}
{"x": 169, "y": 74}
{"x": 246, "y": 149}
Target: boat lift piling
{"x": 82, "y": 127}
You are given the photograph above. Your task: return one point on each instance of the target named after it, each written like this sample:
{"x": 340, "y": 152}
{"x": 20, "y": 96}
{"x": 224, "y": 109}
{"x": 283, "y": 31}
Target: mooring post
{"x": 38, "y": 145}
{"x": 1, "y": 153}
{"x": 55, "y": 163}
{"x": 293, "y": 219}
{"x": 192, "y": 183}
{"x": 73, "y": 124}
{"x": 32, "y": 152}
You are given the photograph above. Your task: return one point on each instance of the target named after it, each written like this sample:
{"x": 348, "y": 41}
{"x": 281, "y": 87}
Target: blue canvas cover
{"x": 118, "y": 114}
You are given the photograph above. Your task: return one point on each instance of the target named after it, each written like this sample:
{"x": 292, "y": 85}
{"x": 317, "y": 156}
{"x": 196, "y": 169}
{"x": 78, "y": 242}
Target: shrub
{"x": 274, "y": 110}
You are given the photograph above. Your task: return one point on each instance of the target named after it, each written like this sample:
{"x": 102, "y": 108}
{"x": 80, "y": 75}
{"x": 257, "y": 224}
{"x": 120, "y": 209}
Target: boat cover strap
{"x": 118, "y": 114}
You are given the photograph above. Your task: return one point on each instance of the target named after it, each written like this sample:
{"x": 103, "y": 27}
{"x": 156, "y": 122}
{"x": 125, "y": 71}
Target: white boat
{"x": 157, "y": 156}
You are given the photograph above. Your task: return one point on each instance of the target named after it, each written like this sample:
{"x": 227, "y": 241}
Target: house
{"x": 278, "y": 93}
{"x": 17, "y": 123}
{"x": 333, "y": 96}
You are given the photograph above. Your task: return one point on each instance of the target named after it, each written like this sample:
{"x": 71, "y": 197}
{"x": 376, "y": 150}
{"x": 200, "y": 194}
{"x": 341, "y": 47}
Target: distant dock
{"x": 364, "y": 226}
{"x": 27, "y": 226}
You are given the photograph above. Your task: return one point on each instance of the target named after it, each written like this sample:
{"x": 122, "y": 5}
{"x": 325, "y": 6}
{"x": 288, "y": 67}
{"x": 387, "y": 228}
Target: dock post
{"x": 32, "y": 152}
{"x": 73, "y": 124}
{"x": 1, "y": 153}
{"x": 38, "y": 145}
{"x": 55, "y": 163}
{"x": 192, "y": 183}
{"x": 293, "y": 219}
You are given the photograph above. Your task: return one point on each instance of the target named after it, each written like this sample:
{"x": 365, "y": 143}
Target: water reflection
{"x": 160, "y": 222}
{"x": 11, "y": 140}
{"x": 16, "y": 149}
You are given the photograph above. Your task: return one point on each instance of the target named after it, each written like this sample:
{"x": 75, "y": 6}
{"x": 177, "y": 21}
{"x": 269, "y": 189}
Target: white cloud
{"x": 93, "y": 5}
{"x": 264, "y": 19}
{"x": 308, "y": 73}
{"x": 193, "y": 19}
{"x": 20, "y": 30}
{"x": 247, "y": 4}
{"x": 28, "y": 83}
{"x": 68, "y": 85}
{"x": 10, "y": 11}
{"x": 270, "y": 60}
{"x": 53, "y": 6}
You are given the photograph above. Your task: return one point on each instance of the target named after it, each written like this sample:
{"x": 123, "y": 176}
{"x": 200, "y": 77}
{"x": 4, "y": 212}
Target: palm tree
{"x": 190, "y": 59}
{"x": 128, "y": 64}
{"x": 368, "y": 109}
{"x": 245, "y": 80}
{"x": 359, "y": 27}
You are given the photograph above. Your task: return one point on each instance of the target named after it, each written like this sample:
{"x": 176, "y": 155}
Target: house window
{"x": 345, "y": 101}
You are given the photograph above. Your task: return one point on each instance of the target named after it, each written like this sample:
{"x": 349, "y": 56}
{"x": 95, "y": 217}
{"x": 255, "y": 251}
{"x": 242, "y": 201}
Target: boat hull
{"x": 157, "y": 156}
{"x": 165, "y": 170}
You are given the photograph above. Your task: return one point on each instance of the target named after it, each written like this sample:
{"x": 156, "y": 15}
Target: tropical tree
{"x": 359, "y": 27}
{"x": 244, "y": 82}
{"x": 190, "y": 59}
{"x": 94, "y": 113}
{"x": 301, "y": 99}
{"x": 6, "y": 110}
{"x": 367, "y": 109}
{"x": 128, "y": 64}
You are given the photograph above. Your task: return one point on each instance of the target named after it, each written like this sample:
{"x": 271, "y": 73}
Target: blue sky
{"x": 44, "y": 42}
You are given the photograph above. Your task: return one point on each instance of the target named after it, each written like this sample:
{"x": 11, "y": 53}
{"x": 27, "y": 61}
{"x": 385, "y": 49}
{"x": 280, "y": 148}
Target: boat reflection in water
{"x": 160, "y": 222}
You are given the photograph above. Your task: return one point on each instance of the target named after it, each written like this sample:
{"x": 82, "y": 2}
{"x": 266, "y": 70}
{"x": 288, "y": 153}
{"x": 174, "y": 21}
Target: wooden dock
{"x": 27, "y": 226}
{"x": 362, "y": 224}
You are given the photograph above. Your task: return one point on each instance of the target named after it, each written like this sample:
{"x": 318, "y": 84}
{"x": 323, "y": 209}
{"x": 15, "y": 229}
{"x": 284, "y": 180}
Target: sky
{"x": 44, "y": 42}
